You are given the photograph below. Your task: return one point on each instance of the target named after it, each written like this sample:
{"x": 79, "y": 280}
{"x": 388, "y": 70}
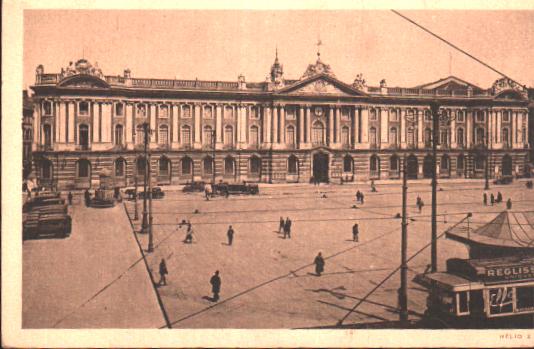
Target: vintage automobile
{"x": 42, "y": 201}
{"x": 504, "y": 180}
{"x": 131, "y": 193}
{"x": 235, "y": 189}
{"x": 190, "y": 187}
{"x": 157, "y": 193}
{"x": 38, "y": 225}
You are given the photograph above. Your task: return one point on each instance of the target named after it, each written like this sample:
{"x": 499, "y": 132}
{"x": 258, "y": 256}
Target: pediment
{"x": 85, "y": 81}
{"x": 448, "y": 83}
{"x": 320, "y": 85}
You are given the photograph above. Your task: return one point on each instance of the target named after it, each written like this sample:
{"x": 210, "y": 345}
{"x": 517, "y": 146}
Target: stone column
{"x": 197, "y": 130}
{"x": 403, "y": 128}
{"x": 37, "y": 126}
{"x": 57, "y": 128}
{"x": 275, "y": 125}
{"x": 453, "y": 130}
{"x": 338, "y": 124}
{"x": 384, "y": 126}
{"x": 365, "y": 126}
{"x": 96, "y": 122}
{"x": 308, "y": 124}
{"x": 301, "y": 125}
{"x": 218, "y": 125}
{"x": 128, "y": 123}
{"x": 469, "y": 116}
{"x": 267, "y": 124}
{"x": 330, "y": 126}
{"x": 514, "y": 129}
{"x": 61, "y": 118}
{"x": 499, "y": 127}
{"x": 355, "y": 111}
{"x": 420, "y": 117}
{"x": 244, "y": 124}
{"x": 282, "y": 130}
{"x": 107, "y": 124}
{"x": 72, "y": 123}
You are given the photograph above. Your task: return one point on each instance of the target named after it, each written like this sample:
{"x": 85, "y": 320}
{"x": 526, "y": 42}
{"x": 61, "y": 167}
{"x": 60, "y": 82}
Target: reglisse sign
{"x": 507, "y": 272}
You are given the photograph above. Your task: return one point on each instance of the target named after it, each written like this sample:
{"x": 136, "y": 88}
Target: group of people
{"x": 360, "y": 197}
{"x": 495, "y": 200}
{"x": 285, "y": 227}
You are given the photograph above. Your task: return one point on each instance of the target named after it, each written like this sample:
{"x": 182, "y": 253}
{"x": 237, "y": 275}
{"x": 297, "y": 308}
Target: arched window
{"x": 84, "y": 168}
{"x": 120, "y": 167}
{"x": 118, "y": 134}
{"x": 318, "y": 133}
{"x": 460, "y": 162}
{"x": 394, "y": 163}
{"x": 46, "y": 169}
{"x": 83, "y": 136}
{"x": 229, "y": 166}
{"x": 186, "y": 135}
{"x": 164, "y": 166}
{"x": 290, "y": 135}
{"x": 255, "y": 165}
{"x": 207, "y": 165}
{"x": 445, "y": 163}
{"x": 460, "y": 136}
{"x": 163, "y": 134}
{"x": 428, "y": 137}
{"x": 47, "y": 130}
{"x": 374, "y": 166}
{"x": 119, "y": 109}
{"x": 372, "y": 137}
{"x": 393, "y": 116}
{"x": 345, "y": 136}
{"x": 505, "y": 136}
{"x": 480, "y": 136}
{"x": 480, "y": 162}
{"x": 141, "y": 165}
{"x": 410, "y": 136}
{"x": 187, "y": 166}
{"x": 228, "y": 135}
{"x": 292, "y": 165}
{"x": 393, "y": 136}
{"x": 208, "y": 136}
{"x": 460, "y": 116}
{"x": 347, "y": 164}
{"x": 254, "y": 135}
{"x": 140, "y": 134}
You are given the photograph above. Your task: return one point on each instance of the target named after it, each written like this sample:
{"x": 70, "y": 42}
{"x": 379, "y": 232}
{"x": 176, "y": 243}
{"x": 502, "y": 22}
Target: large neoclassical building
{"x": 277, "y": 130}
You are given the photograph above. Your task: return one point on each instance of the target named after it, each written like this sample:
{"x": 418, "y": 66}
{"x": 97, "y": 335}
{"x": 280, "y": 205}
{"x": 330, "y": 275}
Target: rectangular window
{"x": 463, "y": 302}
{"x": 163, "y": 111}
{"x": 119, "y": 109}
{"x": 525, "y": 298}
{"x": 186, "y": 111}
{"x": 47, "y": 108}
{"x": 83, "y": 108}
{"x": 460, "y": 116}
{"x": 480, "y": 116}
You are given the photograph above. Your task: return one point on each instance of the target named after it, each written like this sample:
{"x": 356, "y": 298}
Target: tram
{"x": 494, "y": 288}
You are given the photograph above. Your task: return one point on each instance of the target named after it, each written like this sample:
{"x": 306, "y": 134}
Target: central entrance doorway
{"x": 412, "y": 167}
{"x": 320, "y": 167}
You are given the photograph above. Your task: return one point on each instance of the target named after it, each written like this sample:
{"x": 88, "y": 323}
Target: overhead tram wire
{"x": 456, "y": 47}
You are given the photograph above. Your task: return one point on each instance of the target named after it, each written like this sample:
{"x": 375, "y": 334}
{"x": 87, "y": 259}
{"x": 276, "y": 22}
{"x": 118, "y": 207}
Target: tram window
{"x": 525, "y": 298}
{"x": 463, "y": 302}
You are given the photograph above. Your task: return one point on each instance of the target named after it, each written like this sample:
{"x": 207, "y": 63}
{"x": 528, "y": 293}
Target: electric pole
{"x": 434, "y": 106}
{"x": 144, "y": 223}
{"x": 403, "y": 294}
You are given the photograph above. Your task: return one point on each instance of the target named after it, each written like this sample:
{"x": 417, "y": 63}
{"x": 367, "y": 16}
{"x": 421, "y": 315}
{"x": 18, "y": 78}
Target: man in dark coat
{"x": 162, "y": 272}
{"x": 215, "y": 282}
{"x": 319, "y": 264}
{"x": 509, "y": 204}
{"x": 230, "y": 235}
{"x": 355, "y": 232}
{"x": 87, "y": 197}
{"x": 282, "y": 225}
{"x": 499, "y": 197}
{"x": 485, "y": 199}
{"x": 69, "y": 197}
{"x": 287, "y": 228}
{"x": 492, "y": 199}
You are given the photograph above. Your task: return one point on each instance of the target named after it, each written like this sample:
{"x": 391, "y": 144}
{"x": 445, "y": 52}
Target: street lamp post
{"x": 213, "y": 136}
{"x": 403, "y": 295}
{"x": 486, "y": 164}
{"x": 146, "y": 225}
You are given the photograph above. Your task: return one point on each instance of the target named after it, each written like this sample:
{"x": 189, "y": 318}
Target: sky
{"x": 221, "y": 44}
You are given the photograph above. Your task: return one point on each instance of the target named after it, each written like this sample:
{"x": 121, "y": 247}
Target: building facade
{"x": 27, "y": 134}
{"x": 278, "y": 130}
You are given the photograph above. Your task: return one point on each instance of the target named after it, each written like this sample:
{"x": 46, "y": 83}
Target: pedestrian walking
{"x": 509, "y": 204}
{"x": 492, "y": 199}
{"x": 373, "y": 188}
{"x": 358, "y": 196}
{"x": 69, "y": 198}
{"x": 215, "y": 282}
{"x": 361, "y": 198}
{"x": 87, "y": 197}
{"x": 287, "y": 228}
{"x": 499, "y": 197}
{"x": 282, "y": 225}
{"x": 189, "y": 235}
{"x": 230, "y": 234}
{"x": 485, "y": 199}
{"x": 319, "y": 264}
{"x": 355, "y": 232}
{"x": 162, "y": 272}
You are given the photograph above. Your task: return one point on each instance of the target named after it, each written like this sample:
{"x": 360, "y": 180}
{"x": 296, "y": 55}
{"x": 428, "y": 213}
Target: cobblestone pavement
{"x": 61, "y": 275}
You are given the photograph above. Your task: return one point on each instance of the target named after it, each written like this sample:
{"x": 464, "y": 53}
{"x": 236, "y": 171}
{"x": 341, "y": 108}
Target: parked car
{"x": 235, "y": 189}
{"x": 48, "y": 224}
{"x": 42, "y": 201}
{"x": 504, "y": 180}
{"x": 157, "y": 193}
{"x": 190, "y": 187}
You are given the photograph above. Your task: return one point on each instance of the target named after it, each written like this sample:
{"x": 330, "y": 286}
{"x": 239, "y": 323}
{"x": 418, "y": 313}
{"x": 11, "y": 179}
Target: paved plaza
{"x": 269, "y": 282}
{"x": 97, "y": 277}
